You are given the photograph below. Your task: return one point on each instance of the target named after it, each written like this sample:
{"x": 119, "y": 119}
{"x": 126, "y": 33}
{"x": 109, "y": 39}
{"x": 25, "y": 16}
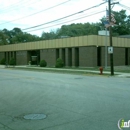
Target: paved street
{"x": 70, "y": 102}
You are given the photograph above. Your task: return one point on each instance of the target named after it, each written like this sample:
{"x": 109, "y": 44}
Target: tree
{"x": 17, "y": 36}
{"x": 78, "y": 29}
{"x": 123, "y": 22}
{"x": 48, "y": 36}
{"x": 3, "y": 38}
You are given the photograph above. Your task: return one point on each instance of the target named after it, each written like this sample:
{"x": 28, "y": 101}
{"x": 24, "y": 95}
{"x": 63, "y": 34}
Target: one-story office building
{"x": 82, "y": 51}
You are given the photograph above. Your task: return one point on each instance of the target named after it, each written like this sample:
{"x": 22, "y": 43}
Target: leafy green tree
{"x": 3, "y": 38}
{"x": 79, "y": 29}
{"x": 17, "y": 36}
{"x": 48, "y": 36}
{"x": 123, "y": 23}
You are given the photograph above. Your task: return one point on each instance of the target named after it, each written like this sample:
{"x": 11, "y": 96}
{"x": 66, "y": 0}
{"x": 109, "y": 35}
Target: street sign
{"x": 110, "y": 50}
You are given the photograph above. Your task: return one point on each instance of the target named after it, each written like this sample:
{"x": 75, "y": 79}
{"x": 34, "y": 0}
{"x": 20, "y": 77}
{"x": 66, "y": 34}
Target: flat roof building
{"x": 83, "y": 51}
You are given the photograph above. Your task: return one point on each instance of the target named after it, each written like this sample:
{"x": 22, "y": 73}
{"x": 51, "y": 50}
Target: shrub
{"x": 12, "y": 61}
{"x": 2, "y": 62}
{"x": 43, "y": 63}
{"x": 59, "y": 63}
{"x": 29, "y": 62}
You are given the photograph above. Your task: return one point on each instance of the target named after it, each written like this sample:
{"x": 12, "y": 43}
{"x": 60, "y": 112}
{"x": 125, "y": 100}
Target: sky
{"x": 24, "y": 14}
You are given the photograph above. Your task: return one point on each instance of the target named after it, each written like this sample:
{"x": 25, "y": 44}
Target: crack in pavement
{"x": 5, "y": 126}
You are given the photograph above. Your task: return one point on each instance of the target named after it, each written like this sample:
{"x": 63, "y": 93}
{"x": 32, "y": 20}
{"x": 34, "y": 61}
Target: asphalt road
{"x": 70, "y": 102}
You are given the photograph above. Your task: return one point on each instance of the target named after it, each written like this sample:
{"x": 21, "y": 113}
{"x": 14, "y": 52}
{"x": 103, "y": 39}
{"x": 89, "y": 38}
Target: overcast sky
{"x": 28, "y": 13}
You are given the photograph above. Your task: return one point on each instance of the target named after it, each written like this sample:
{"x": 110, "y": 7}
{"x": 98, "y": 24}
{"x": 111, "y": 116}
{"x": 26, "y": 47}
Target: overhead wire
{"x": 12, "y": 5}
{"x": 124, "y": 6}
{"x": 66, "y": 21}
{"x": 19, "y": 7}
{"x": 15, "y": 6}
{"x": 35, "y": 13}
{"x": 65, "y": 16}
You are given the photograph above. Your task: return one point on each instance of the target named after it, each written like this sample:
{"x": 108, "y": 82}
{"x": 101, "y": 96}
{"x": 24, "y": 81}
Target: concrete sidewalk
{"x": 117, "y": 74}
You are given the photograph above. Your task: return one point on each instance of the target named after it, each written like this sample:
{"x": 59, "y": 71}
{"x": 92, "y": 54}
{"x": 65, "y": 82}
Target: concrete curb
{"x": 117, "y": 74}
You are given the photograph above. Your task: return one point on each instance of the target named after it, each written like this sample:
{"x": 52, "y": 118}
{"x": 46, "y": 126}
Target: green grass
{"x": 123, "y": 69}
{"x": 56, "y": 70}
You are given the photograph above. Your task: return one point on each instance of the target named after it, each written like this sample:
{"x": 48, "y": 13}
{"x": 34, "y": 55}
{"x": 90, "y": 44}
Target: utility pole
{"x": 106, "y": 48}
{"x": 110, "y": 36}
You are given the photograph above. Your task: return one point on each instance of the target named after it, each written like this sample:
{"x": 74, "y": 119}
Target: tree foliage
{"x": 123, "y": 22}
{"x": 81, "y": 29}
{"x": 3, "y": 38}
{"x": 16, "y": 35}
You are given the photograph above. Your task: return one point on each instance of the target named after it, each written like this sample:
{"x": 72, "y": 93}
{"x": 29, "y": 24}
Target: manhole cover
{"x": 35, "y": 116}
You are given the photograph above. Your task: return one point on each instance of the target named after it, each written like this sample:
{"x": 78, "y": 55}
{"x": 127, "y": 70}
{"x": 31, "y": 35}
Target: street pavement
{"x": 83, "y": 70}
{"x": 70, "y": 102}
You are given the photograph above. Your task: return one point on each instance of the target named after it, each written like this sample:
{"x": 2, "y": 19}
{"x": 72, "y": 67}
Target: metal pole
{"x": 110, "y": 36}
{"x": 106, "y": 50}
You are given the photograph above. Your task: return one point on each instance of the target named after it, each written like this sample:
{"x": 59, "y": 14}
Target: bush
{"x": 3, "y": 61}
{"x": 43, "y": 63}
{"x": 59, "y": 63}
{"x": 12, "y": 61}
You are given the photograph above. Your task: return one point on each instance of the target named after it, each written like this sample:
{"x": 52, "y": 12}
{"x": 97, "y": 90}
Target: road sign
{"x": 110, "y": 50}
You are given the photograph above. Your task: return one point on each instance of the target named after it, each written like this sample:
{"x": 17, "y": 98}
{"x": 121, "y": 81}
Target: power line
{"x": 67, "y": 21}
{"x": 12, "y": 5}
{"x": 18, "y": 5}
{"x": 126, "y": 7}
{"x": 36, "y": 12}
{"x": 65, "y": 16}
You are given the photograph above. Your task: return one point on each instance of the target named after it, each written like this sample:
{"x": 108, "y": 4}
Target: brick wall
{"x": 2, "y": 55}
{"x": 68, "y": 56}
{"x": 79, "y": 56}
{"x": 62, "y": 55}
{"x": 75, "y": 56}
{"x": 119, "y": 56}
{"x": 49, "y": 55}
{"x": 21, "y": 58}
{"x": 128, "y": 56}
{"x": 88, "y": 56}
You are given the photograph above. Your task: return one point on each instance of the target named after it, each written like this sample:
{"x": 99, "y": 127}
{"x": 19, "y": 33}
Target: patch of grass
{"x": 64, "y": 71}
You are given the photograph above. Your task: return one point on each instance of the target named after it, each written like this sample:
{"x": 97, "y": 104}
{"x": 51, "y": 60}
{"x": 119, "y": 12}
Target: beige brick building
{"x": 83, "y": 51}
